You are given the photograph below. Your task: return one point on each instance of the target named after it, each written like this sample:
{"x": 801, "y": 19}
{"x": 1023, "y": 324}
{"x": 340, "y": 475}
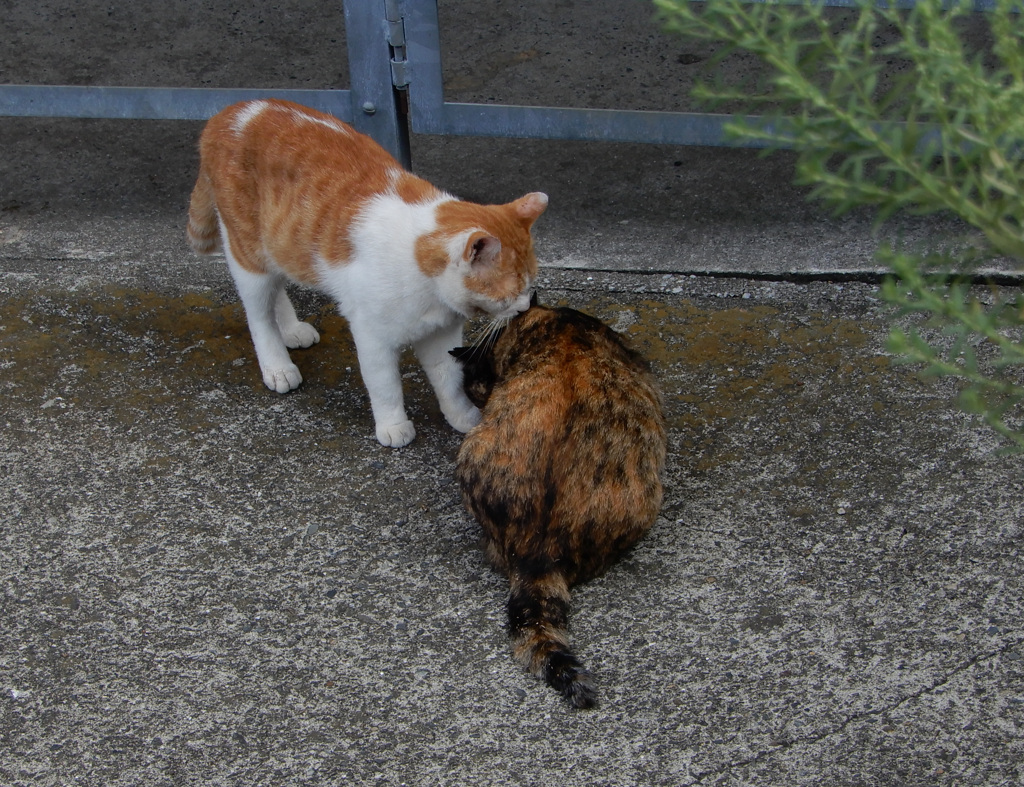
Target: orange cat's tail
{"x": 203, "y": 228}
{"x": 538, "y": 615}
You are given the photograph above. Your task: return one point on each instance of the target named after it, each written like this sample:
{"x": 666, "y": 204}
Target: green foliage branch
{"x": 888, "y": 107}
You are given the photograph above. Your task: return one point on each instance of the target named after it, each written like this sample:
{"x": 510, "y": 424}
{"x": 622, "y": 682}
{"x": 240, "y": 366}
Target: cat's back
{"x": 573, "y": 434}
{"x": 264, "y": 137}
{"x": 289, "y": 182}
{"x": 581, "y": 369}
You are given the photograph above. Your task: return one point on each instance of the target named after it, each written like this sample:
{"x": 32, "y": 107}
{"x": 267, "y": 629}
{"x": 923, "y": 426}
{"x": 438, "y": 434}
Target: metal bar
{"x": 424, "y": 71}
{"x": 616, "y": 125}
{"x": 604, "y": 125}
{"x": 152, "y": 103}
{"x": 376, "y": 108}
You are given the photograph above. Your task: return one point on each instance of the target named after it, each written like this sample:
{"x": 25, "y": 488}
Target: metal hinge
{"x": 396, "y": 39}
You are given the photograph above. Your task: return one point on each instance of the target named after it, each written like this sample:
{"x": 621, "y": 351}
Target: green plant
{"x": 890, "y": 108}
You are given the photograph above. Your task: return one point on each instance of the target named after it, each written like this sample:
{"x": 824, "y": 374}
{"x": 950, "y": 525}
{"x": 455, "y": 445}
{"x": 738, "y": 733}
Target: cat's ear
{"x": 460, "y": 354}
{"x": 482, "y": 250}
{"x": 529, "y": 208}
{"x": 534, "y": 301}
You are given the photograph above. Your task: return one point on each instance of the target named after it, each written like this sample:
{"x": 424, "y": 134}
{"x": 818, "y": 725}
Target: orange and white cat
{"x": 290, "y": 193}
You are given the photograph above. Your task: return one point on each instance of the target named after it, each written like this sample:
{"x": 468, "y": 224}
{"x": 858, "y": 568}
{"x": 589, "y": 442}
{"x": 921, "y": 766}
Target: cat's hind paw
{"x": 282, "y": 380}
{"x": 396, "y": 435}
{"x": 465, "y": 420}
{"x": 300, "y": 334}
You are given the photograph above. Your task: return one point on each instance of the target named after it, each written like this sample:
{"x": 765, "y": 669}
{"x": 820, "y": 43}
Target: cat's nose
{"x": 522, "y": 303}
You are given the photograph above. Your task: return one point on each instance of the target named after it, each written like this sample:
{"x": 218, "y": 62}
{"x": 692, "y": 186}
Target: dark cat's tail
{"x": 538, "y": 615}
{"x": 203, "y": 228}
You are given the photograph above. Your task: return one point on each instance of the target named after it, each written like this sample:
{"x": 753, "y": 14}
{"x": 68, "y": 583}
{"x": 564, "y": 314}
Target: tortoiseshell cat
{"x": 563, "y": 472}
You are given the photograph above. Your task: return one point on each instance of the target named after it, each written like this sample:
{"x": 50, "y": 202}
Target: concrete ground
{"x": 205, "y": 583}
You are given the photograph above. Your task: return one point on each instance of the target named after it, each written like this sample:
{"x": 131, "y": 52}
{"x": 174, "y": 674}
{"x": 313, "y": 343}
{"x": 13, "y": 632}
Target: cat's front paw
{"x": 282, "y": 380}
{"x": 301, "y": 334}
{"x": 465, "y": 420}
{"x": 396, "y": 435}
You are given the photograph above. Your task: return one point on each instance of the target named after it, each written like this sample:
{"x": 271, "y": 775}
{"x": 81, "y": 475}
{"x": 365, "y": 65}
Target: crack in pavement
{"x": 819, "y": 737}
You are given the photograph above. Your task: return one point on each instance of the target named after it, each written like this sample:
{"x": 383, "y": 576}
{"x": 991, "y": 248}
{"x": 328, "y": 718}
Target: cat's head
{"x": 482, "y": 255}
{"x": 478, "y": 375}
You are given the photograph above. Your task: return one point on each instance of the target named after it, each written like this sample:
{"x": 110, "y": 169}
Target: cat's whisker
{"x": 488, "y": 336}
{"x": 494, "y": 327}
{"x": 497, "y": 327}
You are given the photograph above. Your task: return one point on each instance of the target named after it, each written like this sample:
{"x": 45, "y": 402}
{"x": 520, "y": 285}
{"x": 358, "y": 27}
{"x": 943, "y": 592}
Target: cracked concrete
{"x": 206, "y": 583}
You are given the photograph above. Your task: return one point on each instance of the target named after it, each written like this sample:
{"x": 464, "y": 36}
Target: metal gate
{"x": 394, "y": 55}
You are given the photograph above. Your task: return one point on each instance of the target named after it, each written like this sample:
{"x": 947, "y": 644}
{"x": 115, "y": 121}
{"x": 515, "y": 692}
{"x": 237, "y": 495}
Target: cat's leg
{"x": 378, "y": 364}
{"x": 445, "y": 374}
{"x": 294, "y": 332}
{"x": 259, "y": 293}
